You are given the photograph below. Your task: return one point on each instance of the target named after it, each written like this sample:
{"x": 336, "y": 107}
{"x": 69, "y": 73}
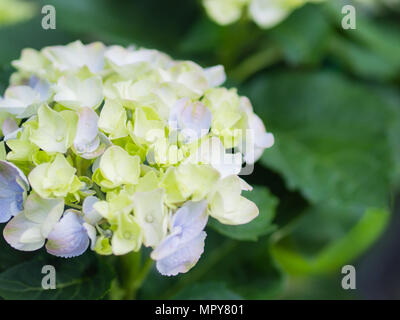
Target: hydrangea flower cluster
{"x": 265, "y": 13}
{"x": 117, "y": 148}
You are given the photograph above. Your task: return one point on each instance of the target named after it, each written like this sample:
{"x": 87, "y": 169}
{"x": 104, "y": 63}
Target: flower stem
{"x": 255, "y": 63}
{"x": 75, "y": 206}
{"x": 134, "y": 273}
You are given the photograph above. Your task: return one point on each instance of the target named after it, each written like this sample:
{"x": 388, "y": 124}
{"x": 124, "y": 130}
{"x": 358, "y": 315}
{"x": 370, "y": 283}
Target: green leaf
{"x": 85, "y": 277}
{"x": 332, "y": 137}
{"x": 247, "y": 268}
{"x": 333, "y": 255}
{"x": 303, "y": 36}
{"x": 260, "y": 226}
{"x": 360, "y": 60}
{"x": 207, "y": 291}
{"x": 376, "y": 43}
{"x": 10, "y": 257}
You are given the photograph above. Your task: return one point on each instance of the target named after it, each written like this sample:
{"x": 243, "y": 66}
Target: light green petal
{"x": 103, "y": 246}
{"x": 32, "y": 62}
{"x": 113, "y": 119}
{"x": 128, "y": 236}
{"x": 225, "y": 11}
{"x": 148, "y": 182}
{"x": 151, "y": 216}
{"x": 164, "y": 153}
{"x": 147, "y": 126}
{"x": 118, "y": 167}
{"x": 112, "y": 208}
{"x": 55, "y": 131}
{"x": 55, "y": 179}
{"x": 196, "y": 181}
{"x": 173, "y": 193}
{"x": 74, "y": 93}
{"x": 22, "y": 149}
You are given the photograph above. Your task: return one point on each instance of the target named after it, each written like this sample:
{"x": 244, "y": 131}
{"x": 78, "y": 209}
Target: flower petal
{"x": 91, "y": 215}
{"x": 18, "y": 99}
{"x": 215, "y": 76}
{"x": 151, "y": 216}
{"x": 9, "y": 127}
{"x": 69, "y": 237}
{"x": 187, "y": 223}
{"x": 13, "y": 188}
{"x": 193, "y": 118}
{"x": 16, "y": 228}
{"x": 184, "y": 258}
{"x": 119, "y": 167}
{"x": 191, "y": 218}
{"x": 45, "y": 212}
{"x": 42, "y": 87}
{"x": 74, "y": 93}
{"x": 268, "y": 13}
{"x": 86, "y": 138}
{"x": 56, "y": 130}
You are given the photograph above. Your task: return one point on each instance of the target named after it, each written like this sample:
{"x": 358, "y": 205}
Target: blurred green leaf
{"x": 332, "y": 136}
{"x": 361, "y": 61}
{"x": 372, "y": 49}
{"x": 246, "y": 267}
{"x": 84, "y": 277}
{"x": 207, "y": 291}
{"x": 260, "y": 226}
{"x": 304, "y": 36}
{"x": 335, "y": 254}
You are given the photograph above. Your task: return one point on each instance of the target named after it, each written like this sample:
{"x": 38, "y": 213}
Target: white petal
{"x": 76, "y": 55}
{"x": 9, "y": 127}
{"x": 268, "y": 13}
{"x": 215, "y": 76}
{"x": 212, "y": 152}
{"x": 45, "y": 212}
{"x": 184, "y": 258}
{"x": 74, "y": 93}
{"x": 151, "y": 215}
{"x": 69, "y": 237}
{"x": 193, "y": 118}
{"x": 90, "y": 214}
{"x": 18, "y": 99}
{"x": 86, "y": 138}
{"x": 16, "y": 228}
{"x": 91, "y": 231}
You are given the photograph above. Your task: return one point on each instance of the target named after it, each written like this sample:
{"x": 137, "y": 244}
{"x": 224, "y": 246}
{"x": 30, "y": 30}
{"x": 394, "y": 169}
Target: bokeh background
{"x": 327, "y": 190}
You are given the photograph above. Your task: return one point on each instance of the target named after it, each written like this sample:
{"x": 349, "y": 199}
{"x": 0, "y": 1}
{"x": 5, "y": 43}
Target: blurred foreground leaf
{"x": 332, "y": 137}
{"x": 76, "y": 278}
{"x": 207, "y": 291}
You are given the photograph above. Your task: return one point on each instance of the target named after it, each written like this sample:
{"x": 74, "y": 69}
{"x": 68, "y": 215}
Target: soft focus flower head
{"x": 114, "y": 149}
{"x": 265, "y": 13}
